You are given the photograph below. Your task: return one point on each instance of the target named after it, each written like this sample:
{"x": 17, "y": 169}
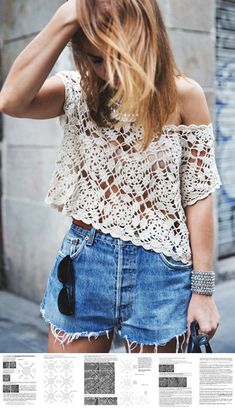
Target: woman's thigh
{"x": 102, "y": 344}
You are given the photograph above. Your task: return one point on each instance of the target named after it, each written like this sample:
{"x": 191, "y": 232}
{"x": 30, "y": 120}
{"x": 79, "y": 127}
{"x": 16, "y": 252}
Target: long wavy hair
{"x": 137, "y": 52}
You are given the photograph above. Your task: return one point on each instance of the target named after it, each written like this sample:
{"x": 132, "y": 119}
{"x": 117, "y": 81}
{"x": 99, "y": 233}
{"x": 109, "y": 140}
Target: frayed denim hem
{"x": 67, "y": 337}
{"x": 178, "y": 345}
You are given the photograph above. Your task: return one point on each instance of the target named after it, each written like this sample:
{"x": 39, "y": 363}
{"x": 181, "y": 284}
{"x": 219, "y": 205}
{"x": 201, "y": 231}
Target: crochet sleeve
{"x": 198, "y": 170}
{"x": 71, "y": 81}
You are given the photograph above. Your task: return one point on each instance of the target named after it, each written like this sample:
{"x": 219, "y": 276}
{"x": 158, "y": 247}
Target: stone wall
{"x": 31, "y": 230}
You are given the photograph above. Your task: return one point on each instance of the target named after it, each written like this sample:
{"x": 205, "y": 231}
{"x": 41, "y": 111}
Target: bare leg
{"x": 101, "y": 344}
{"x": 171, "y": 346}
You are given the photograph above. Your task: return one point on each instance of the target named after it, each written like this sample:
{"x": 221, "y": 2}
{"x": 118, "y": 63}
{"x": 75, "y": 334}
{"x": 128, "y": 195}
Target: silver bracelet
{"x": 203, "y": 282}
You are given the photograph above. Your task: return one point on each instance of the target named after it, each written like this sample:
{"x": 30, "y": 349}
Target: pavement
{"x": 23, "y": 330}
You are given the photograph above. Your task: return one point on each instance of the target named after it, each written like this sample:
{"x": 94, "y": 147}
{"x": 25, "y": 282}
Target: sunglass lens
{"x": 65, "y": 306}
{"x": 64, "y": 269}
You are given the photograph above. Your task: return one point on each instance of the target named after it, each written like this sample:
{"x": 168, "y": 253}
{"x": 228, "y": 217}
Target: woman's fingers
{"x": 188, "y": 330}
{"x": 206, "y": 329}
{"x": 209, "y": 330}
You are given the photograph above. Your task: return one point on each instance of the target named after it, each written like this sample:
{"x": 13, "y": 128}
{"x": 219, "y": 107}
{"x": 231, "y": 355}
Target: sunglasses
{"x": 66, "y": 297}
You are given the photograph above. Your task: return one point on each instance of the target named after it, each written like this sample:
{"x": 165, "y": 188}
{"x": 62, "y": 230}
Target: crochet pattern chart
{"x": 136, "y": 381}
{"x": 99, "y": 381}
{"x": 19, "y": 378}
{"x": 27, "y": 371}
{"x": 58, "y": 380}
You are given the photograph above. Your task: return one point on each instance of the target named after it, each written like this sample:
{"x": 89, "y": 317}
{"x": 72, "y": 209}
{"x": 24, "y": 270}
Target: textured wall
{"x": 191, "y": 27}
{"x": 225, "y": 124}
{"x": 31, "y": 230}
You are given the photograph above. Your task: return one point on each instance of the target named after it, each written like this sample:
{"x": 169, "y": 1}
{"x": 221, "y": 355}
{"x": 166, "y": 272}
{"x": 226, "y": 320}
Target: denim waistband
{"x": 91, "y": 234}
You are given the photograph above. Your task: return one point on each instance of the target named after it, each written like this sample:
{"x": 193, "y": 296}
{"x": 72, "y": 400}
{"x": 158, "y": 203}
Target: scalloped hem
{"x": 203, "y": 196}
{"x": 191, "y": 126}
{"x": 116, "y": 233}
{"x": 119, "y": 235}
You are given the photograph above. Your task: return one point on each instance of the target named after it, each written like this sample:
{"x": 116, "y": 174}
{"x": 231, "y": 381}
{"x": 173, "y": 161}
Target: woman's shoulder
{"x": 187, "y": 87}
{"x": 192, "y": 101}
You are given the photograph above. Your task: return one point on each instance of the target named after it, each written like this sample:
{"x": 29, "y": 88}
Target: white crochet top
{"x": 102, "y": 178}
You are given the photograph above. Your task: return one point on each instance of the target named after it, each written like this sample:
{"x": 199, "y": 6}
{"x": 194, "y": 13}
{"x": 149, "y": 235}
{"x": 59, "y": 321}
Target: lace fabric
{"x": 102, "y": 178}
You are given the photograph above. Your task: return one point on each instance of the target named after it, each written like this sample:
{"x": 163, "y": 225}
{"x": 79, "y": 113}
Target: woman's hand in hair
{"x": 24, "y": 93}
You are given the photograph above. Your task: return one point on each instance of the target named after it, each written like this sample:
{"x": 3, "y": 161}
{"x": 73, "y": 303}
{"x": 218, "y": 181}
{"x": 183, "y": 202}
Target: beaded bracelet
{"x": 203, "y": 282}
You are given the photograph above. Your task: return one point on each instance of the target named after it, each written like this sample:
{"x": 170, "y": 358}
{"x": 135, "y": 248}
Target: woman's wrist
{"x": 203, "y": 282}
{"x": 202, "y": 296}
{"x": 68, "y": 12}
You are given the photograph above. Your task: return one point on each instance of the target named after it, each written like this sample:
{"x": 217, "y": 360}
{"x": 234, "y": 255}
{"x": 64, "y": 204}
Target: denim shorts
{"x": 141, "y": 294}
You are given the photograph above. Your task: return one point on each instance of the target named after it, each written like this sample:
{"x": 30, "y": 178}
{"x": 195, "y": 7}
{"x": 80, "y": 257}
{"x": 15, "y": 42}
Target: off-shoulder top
{"x": 101, "y": 177}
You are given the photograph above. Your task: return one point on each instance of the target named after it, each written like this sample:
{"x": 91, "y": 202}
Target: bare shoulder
{"x": 192, "y": 102}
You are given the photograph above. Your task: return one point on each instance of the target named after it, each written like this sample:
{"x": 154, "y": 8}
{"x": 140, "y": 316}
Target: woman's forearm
{"x": 200, "y": 223}
{"x": 32, "y": 66}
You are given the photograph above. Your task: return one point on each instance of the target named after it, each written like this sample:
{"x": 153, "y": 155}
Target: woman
{"x": 135, "y": 171}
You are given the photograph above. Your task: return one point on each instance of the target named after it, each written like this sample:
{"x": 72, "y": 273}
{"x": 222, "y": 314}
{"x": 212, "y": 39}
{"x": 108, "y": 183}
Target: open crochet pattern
{"x": 102, "y": 178}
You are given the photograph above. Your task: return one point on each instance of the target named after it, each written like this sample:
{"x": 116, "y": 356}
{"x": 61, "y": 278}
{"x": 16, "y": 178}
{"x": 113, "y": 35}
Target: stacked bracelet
{"x": 203, "y": 282}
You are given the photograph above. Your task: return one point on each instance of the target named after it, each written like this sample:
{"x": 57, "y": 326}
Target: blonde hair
{"x": 136, "y": 48}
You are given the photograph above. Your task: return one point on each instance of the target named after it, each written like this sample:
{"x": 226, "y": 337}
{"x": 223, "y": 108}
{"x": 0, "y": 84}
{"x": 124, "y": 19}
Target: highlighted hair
{"x": 137, "y": 52}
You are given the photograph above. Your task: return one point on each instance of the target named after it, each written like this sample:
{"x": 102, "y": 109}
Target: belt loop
{"x": 91, "y": 235}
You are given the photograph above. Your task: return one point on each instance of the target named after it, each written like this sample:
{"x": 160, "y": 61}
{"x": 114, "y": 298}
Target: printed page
{"x": 120, "y": 380}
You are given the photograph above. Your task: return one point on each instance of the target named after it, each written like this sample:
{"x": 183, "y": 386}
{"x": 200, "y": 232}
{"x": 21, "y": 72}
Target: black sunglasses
{"x": 66, "y": 298}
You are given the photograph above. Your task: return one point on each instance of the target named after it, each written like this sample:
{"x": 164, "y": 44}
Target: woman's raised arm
{"x": 20, "y": 91}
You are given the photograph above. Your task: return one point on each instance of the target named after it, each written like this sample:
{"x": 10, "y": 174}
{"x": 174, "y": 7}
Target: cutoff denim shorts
{"x": 141, "y": 294}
